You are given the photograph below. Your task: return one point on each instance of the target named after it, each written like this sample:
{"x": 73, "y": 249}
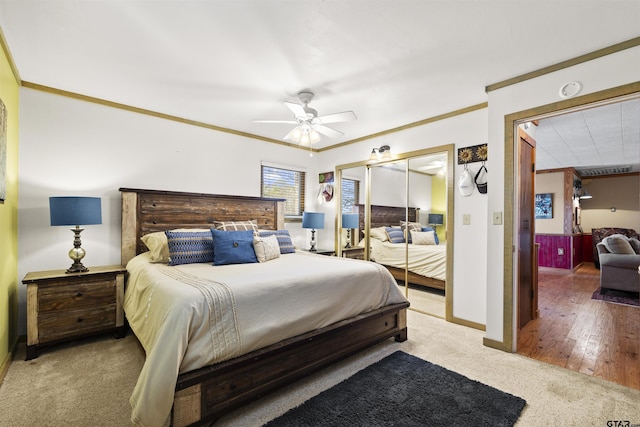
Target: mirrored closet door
{"x": 402, "y": 207}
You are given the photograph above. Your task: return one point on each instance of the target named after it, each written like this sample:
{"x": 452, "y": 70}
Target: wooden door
{"x": 526, "y": 230}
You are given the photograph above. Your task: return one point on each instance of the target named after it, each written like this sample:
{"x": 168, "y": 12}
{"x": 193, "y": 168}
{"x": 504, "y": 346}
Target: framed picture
{"x": 578, "y": 212}
{"x": 544, "y": 206}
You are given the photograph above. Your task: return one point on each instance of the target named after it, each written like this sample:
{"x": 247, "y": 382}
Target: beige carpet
{"x": 88, "y": 383}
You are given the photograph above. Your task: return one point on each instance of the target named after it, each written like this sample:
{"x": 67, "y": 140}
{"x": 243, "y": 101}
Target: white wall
{"x": 603, "y": 73}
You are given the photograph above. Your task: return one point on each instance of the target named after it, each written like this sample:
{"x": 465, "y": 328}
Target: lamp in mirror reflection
{"x": 314, "y": 221}
{"x": 349, "y": 221}
{"x": 75, "y": 211}
{"x": 435, "y": 220}
{"x": 382, "y": 153}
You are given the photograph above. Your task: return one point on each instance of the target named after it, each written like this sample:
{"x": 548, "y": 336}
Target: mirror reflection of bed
{"x": 405, "y": 192}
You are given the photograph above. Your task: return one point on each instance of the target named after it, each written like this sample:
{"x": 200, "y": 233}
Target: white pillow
{"x": 423, "y": 237}
{"x": 266, "y": 248}
{"x": 379, "y": 233}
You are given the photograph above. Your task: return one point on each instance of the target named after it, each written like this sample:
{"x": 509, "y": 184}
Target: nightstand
{"x": 64, "y": 306}
{"x": 355, "y": 253}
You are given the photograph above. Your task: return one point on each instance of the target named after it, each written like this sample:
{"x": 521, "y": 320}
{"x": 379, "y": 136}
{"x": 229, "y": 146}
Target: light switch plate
{"x": 497, "y": 218}
{"x": 466, "y": 219}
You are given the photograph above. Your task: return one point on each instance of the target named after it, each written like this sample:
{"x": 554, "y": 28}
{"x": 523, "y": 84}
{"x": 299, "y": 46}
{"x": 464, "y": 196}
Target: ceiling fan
{"x": 310, "y": 125}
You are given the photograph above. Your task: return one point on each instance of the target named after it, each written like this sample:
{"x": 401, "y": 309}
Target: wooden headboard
{"x": 148, "y": 211}
{"x": 386, "y": 216}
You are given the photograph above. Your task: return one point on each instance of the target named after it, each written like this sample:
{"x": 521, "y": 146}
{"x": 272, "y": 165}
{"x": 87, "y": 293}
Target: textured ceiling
{"x": 226, "y": 63}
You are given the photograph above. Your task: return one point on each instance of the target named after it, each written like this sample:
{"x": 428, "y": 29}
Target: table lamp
{"x": 314, "y": 221}
{"x": 435, "y": 220}
{"x": 349, "y": 221}
{"x": 75, "y": 211}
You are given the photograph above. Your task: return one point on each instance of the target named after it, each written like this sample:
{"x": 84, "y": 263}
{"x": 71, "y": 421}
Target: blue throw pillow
{"x": 189, "y": 247}
{"x": 435, "y": 235}
{"x": 233, "y": 247}
{"x": 396, "y": 235}
{"x": 284, "y": 240}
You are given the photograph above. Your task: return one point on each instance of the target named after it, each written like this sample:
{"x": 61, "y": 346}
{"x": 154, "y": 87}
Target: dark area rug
{"x": 403, "y": 390}
{"x": 618, "y": 297}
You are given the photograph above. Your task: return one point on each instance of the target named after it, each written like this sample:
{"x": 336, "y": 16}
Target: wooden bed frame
{"x": 204, "y": 395}
{"x": 385, "y": 216}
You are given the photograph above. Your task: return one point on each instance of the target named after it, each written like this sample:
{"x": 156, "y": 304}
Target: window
{"x": 286, "y": 184}
{"x": 350, "y": 195}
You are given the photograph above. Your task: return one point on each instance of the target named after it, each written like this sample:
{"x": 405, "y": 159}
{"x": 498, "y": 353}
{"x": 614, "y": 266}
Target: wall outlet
{"x": 466, "y": 219}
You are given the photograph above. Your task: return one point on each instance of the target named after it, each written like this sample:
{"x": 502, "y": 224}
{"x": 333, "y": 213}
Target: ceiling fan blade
{"x": 297, "y": 109}
{"x": 345, "y": 116}
{"x": 325, "y": 130}
{"x": 275, "y": 121}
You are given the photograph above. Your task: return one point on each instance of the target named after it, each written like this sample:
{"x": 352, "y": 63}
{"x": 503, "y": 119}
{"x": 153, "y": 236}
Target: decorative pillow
{"x": 266, "y": 248}
{"x": 379, "y": 233}
{"x": 158, "y": 246}
{"x": 236, "y": 225}
{"x": 635, "y": 244}
{"x": 618, "y": 244}
{"x": 423, "y": 237}
{"x": 435, "y": 234}
{"x": 410, "y": 226}
{"x": 284, "y": 240}
{"x": 395, "y": 234}
{"x": 233, "y": 247}
{"x": 189, "y": 247}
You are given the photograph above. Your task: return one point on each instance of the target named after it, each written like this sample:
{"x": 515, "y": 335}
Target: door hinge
{"x": 533, "y": 167}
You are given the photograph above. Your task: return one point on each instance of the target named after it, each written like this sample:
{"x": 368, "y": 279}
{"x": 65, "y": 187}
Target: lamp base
{"x": 312, "y": 243}
{"x": 77, "y": 253}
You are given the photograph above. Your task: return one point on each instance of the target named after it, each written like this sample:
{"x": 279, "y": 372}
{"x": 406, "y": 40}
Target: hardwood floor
{"x": 573, "y": 331}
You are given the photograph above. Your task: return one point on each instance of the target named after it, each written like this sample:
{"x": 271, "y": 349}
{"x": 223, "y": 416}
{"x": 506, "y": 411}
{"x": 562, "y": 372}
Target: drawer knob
{"x": 79, "y": 294}
{"x": 79, "y": 319}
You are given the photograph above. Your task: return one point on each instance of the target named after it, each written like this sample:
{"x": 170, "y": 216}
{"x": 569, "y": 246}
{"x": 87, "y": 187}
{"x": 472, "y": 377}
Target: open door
{"x": 527, "y": 271}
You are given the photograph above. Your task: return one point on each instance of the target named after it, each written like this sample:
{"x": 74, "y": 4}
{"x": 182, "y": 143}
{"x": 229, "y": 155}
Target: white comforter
{"x": 426, "y": 260}
{"x": 194, "y": 315}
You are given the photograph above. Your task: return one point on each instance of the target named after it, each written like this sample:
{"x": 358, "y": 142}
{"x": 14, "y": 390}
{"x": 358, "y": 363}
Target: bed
{"x": 427, "y": 263}
{"x": 194, "y": 380}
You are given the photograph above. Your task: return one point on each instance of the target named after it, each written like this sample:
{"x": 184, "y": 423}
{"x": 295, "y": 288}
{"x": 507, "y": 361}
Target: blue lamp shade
{"x": 349, "y": 220}
{"x": 313, "y": 220}
{"x": 436, "y": 219}
{"x": 75, "y": 210}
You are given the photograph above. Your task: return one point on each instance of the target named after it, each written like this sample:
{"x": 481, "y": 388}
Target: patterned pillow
{"x": 158, "y": 245}
{"x": 189, "y": 247}
{"x": 236, "y": 225}
{"x": 618, "y": 244}
{"x": 423, "y": 237}
{"x": 233, "y": 247}
{"x": 410, "y": 226}
{"x": 267, "y": 248}
{"x": 284, "y": 240}
{"x": 435, "y": 234}
{"x": 395, "y": 234}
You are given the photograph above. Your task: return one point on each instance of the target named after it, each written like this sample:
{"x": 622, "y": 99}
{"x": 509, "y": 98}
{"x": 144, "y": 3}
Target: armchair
{"x": 618, "y": 270}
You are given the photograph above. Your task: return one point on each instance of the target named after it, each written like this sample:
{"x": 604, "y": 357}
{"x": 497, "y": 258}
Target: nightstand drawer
{"x": 91, "y": 293}
{"x": 55, "y": 325}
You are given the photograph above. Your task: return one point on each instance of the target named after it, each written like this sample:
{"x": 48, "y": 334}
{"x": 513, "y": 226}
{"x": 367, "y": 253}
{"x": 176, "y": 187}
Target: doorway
{"x": 514, "y": 264}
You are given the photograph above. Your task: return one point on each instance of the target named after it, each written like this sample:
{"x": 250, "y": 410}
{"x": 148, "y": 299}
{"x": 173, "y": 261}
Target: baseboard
{"x": 498, "y": 345}
{"x": 4, "y": 365}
